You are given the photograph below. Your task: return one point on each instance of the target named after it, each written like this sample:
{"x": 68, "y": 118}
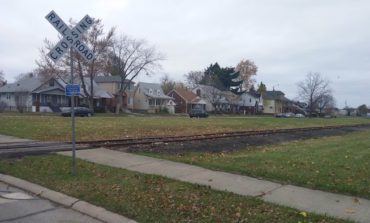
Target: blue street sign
{"x": 72, "y": 89}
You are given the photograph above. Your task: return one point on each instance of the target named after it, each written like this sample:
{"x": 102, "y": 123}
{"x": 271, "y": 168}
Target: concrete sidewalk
{"x": 336, "y": 205}
{"x": 38, "y": 209}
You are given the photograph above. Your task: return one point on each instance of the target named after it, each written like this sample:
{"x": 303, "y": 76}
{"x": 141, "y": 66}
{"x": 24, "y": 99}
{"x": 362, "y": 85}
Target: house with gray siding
{"x": 149, "y": 97}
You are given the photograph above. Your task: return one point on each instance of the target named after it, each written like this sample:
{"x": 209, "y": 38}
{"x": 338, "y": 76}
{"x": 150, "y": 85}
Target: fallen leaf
{"x": 350, "y": 211}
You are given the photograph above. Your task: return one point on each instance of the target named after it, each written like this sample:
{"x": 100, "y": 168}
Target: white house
{"x": 150, "y": 97}
{"x": 210, "y": 96}
{"x": 19, "y": 93}
{"x": 251, "y": 102}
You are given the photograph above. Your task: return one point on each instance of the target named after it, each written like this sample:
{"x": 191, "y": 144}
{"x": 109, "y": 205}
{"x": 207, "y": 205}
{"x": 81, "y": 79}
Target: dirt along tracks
{"x": 223, "y": 141}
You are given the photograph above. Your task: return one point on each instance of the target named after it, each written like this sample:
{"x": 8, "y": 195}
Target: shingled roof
{"x": 189, "y": 96}
{"x": 26, "y": 84}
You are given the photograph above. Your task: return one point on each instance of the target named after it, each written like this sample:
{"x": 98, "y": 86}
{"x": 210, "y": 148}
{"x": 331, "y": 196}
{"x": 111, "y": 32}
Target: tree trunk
{"x": 91, "y": 98}
{"x": 119, "y": 103}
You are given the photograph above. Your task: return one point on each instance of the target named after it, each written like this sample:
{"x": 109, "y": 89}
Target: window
{"x": 158, "y": 92}
{"x": 250, "y": 100}
{"x": 51, "y": 83}
{"x": 198, "y": 92}
{"x": 150, "y": 91}
{"x": 151, "y": 102}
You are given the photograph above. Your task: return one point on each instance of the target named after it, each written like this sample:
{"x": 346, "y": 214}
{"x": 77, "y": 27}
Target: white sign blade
{"x": 58, "y": 23}
{"x": 71, "y": 38}
{"x": 63, "y": 45}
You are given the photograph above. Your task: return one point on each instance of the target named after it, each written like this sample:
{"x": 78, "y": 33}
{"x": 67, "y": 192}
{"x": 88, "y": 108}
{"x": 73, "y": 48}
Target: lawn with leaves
{"x": 56, "y": 128}
{"x": 148, "y": 198}
{"x": 339, "y": 163}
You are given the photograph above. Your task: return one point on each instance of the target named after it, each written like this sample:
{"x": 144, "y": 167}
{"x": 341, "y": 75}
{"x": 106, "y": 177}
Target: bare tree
{"x": 247, "y": 70}
{"x": 46, "y": 68}
{"x": 100, "y": 43}
{"x": 130, "y": 58}
{"x": 167, "y": 84}
{"x": 2, "y": 78}
{"x": 325, "y": 102}
{"x": 193, "y": 78}
{"x": 313, "y": 89}
{"x": 24, "y": 75}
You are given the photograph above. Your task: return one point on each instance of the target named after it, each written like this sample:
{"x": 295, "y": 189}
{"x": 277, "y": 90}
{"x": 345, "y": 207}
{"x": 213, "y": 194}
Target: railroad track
{"x": 17, "y": 149}
{"x": 173, "y": 139}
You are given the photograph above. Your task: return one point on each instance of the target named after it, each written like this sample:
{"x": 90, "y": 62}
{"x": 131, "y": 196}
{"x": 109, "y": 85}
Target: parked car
{"x": 198, "y": 113}
{"x": 79, "y": 111}
{"x": 279, "y": 115}
{"x": 288, "y": 115}
{"x": 329, "y": 116}
{"x": 299, "y": 116}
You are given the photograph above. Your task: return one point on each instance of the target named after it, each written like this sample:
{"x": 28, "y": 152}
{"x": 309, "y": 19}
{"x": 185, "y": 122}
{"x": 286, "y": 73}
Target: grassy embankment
{"x": 148, "y": 198}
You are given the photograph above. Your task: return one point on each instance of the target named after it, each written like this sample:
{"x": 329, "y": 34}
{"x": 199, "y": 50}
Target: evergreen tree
{"x": 261, "y": 88}
{"x": 222, "y": 78}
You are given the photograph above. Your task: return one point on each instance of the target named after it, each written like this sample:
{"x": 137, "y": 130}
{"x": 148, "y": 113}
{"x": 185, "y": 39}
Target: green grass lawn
{"x": 339, "y": 164}
{"x": 51, "y": 127}
{"x": 148, "y": 198}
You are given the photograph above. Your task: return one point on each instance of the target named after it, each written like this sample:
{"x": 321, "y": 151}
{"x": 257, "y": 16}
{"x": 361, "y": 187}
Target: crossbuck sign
{"x": 71, "y": 38}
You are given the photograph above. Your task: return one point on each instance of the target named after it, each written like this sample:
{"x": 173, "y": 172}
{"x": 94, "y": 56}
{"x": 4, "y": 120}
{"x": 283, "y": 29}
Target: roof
{"x": 274, "y": 95}
{"x": 157, "y": 91}
{"x": 254, "y": 93}
{"x": 98, "y": 92}
{"x": 109, "y": 79}
{"x": 26, "y": 84}
{"x": 207, "y": 88}
{"x": 189, "y": 96}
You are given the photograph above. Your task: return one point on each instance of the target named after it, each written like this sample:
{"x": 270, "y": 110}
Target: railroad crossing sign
{"x": 71, "y": 37}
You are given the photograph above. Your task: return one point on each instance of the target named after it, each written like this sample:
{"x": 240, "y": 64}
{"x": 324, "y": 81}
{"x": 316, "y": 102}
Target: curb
{"x": 66, "y": 201}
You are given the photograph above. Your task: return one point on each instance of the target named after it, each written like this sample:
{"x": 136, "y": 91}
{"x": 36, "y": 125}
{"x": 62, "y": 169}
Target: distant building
{"x": 112, "y": 84}
{"x": 274, "y": 102}
{"x": 19, "y": 91}
{"x": 47, "y": 96}
{"x": 149, "y": 97}
{"x": 251, "y": 103}
{"x": 186, "y": 100}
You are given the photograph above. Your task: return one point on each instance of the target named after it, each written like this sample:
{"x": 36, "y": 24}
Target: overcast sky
{"x": 286, "y": 38}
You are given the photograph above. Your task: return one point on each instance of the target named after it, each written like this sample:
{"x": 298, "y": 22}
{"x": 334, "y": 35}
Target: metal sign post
{"x": 71, "y": 40}
{"x": 74, "y": 169}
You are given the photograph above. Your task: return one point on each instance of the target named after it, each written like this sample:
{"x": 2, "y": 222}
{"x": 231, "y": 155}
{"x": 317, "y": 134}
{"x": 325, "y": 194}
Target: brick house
{"x": 186, "y": 100}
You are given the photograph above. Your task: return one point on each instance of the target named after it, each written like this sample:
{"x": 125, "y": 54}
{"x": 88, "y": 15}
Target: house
{"x": 186, "y": 100}
{"x": 216, "y": 100}
{"x": 149, "y": 97}
{"x": 228, "y": 102}
{"x": 274, "y": 102}
{"x": 18, "y": 95}
{"x": 49, "y": 96}
{"x": 209, "y": 94}
{"x": 112, "y": 84}
{"x": 32, "y": 94}
{"x": 250, "y": 102}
